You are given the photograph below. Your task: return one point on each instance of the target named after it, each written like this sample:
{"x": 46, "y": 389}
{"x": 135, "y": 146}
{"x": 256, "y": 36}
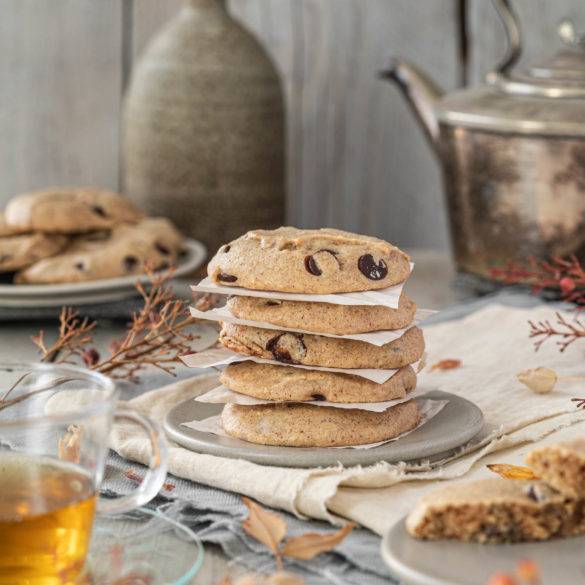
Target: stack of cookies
{"x": 315, "y": 262}
{"x": 80, "y": 234}
{"x": 500, "y": 510}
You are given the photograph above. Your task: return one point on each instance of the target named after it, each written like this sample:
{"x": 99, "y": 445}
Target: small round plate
{"x": 143, "y": 546}
{"x": 456, "y": 424}
{"x": 16, "y": 294}
{"x": 448, "y": 562}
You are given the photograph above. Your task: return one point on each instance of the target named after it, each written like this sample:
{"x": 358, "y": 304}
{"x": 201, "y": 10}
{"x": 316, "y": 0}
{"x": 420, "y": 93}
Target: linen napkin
{"x": 492, "y": 345}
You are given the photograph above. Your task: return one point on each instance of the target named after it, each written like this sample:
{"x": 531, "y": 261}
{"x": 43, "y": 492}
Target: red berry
{"x": 567, "y": 284}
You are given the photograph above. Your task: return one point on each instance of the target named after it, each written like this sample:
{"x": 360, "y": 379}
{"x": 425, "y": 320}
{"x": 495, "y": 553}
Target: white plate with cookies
{"x": 84, "y": 246}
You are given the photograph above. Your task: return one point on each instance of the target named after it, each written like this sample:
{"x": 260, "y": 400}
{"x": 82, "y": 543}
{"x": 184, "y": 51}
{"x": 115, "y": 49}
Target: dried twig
{"x": 567, "y": 331}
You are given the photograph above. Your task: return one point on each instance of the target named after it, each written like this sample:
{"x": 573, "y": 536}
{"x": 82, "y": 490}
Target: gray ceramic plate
{"x": 52, "y": 294}
{"x": 415, "y": 562}
{"x": 456, "y": 424}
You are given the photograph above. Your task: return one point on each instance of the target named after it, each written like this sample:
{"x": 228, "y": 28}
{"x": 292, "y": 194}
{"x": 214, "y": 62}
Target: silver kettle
{"x": 512, "y": 152}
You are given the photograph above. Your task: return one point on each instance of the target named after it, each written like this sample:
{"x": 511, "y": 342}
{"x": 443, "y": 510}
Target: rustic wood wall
{"x": 356, "y": 157}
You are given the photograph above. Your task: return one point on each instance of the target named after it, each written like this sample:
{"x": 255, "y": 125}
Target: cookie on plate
{"x": 317, "y": 350}
{"x": 20, "y": 251}
{"x": 308, "y": 261}
{"x": 70, "y": 210}
{"x": 496, "y": 511}
{"x": 304, "y": 425}
{"x": 562, "y": 466}
{"x": 6, "y": 230}
{"x": 123, "y": 251}
{"x": 287, "y": 384}
{"x": 324, "y": 317}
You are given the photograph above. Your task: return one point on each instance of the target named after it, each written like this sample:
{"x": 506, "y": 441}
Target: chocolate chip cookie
{"x": 323, "y": 317}
{"x": 70, "y": 210}
{"x": 496, "y": 511}
{"x": 20, "y": 251}
{"x": 123, "y": 251}
{"x": 317, "y": 350}
{"x": 562, "y": 466}
{"x": 304, "y": 425}
{"x": 286, "y": 384}
{"x": 6, "y": 230}
{"x": 308, "y": 261}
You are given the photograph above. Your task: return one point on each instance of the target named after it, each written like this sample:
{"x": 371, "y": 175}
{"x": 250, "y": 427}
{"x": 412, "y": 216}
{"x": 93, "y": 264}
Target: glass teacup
{"x": 54, "y": 427}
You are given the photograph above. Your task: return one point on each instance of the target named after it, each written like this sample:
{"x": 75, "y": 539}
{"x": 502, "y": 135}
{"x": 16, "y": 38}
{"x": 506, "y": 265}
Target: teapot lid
{"x": 548, "y": 98}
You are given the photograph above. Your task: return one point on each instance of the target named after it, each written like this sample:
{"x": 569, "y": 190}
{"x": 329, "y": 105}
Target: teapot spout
{"x": 421, "y": 92}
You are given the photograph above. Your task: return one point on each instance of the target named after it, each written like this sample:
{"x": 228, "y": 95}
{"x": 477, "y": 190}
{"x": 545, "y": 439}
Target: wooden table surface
{"x": 429, "y": 286}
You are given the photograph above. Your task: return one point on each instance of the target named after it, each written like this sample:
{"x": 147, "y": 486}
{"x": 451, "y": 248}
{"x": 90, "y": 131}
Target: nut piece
{"x": 539, "y": 380}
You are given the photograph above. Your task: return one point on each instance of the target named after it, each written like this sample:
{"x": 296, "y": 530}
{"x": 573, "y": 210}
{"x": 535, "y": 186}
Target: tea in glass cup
{"x": 54, "y": 426}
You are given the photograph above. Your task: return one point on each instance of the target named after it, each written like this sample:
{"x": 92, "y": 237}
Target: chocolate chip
{"x": 273, "y": 303}
{"x": 183, "y": 253}
{"x": 99, "y": 210}
{"x": 226, "y": 277}
{"x": 311, "y": 266}
{"x": 226, "y": 248}
{"x": 535, "y": 492}
{"x": 130, "y": 263}
{"x": 162, "y": 248}
{"x": 312, "y": 263}
{"x": 283, "y": 344}
{"x": 79, "y": 266}
{"x": 5, "y": 258}
{"x": 370, "y": 269}
{"x": 318, "y": 397}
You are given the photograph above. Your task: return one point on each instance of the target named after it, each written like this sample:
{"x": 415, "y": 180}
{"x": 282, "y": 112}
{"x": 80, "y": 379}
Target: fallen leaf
{"x": 539, "y": 380}
{"x": 450, "y": 364}
{"x": 264, "y": 526}
{"x": 70, "y": 444}
{"x": 528, "y": 572}
{"x": 309, "y": 545}
{"x": 502, "y": 579}
{"x": 512, "y": 471}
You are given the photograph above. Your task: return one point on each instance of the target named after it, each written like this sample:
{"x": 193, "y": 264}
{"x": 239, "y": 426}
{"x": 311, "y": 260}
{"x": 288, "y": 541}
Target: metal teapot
{"x": 512, "y": 153}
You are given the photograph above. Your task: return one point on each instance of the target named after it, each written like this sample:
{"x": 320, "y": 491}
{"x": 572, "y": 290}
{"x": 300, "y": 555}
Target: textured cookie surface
{"x": 323, "y": 317}
{"x": 317, "y": 350}
{"x": 496, "y": 511}
{"x": 562, "y": 466}
{"x": 301, "y": 425}
{"x": 308, "y": 261}
{"x": 20, "y": 251}
{"x": 122, "y": 252}
{"x": 69, "y": 210}
{"x": 286, "y": 384}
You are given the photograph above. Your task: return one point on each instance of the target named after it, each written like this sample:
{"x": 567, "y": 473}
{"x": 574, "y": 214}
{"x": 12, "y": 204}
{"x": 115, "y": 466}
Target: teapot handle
{"x": 514, "y": 39}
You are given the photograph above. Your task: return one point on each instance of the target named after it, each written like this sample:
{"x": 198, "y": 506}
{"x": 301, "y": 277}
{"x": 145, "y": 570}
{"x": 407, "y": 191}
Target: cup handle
{"x": 155, "y": 476}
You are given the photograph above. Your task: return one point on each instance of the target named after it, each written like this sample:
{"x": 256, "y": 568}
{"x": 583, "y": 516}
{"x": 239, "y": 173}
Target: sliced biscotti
{"x": 303, "y": 425}
{"x": 317, "y": 350}
{"x": 287, "y": 384}
{"x": 309, "y": 261}
{"x": 324, "y": 317}
{"x": 496, "y": 511}
{"x": 562, "y": 466}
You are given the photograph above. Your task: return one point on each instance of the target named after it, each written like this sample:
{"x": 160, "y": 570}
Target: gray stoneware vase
{"x": 204, "y": 128}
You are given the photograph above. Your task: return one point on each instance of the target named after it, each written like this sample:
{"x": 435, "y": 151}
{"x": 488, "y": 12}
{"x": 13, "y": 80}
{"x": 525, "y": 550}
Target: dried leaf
{"x": 264, "y": 526}
{"x": 528, "y": 572}
{"x": 309, "y": 545}
{"x": 512, "y": 471}
{"x": 539, "y": 380}
{"x": 450, "y": 364}
{"x": 70, "y": 444}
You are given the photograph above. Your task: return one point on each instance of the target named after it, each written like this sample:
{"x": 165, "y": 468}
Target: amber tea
{"x": 46, "y": 515}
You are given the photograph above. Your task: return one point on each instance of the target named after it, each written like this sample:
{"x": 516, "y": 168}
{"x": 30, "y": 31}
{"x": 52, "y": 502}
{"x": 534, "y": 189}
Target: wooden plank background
{"x": 356, "y": 158}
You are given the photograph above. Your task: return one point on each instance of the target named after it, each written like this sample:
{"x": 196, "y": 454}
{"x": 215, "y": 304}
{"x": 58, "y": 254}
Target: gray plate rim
{"x": 431, "y": 439}
{"x": 196, "y": 254}
{"x": 480, "y": 560}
